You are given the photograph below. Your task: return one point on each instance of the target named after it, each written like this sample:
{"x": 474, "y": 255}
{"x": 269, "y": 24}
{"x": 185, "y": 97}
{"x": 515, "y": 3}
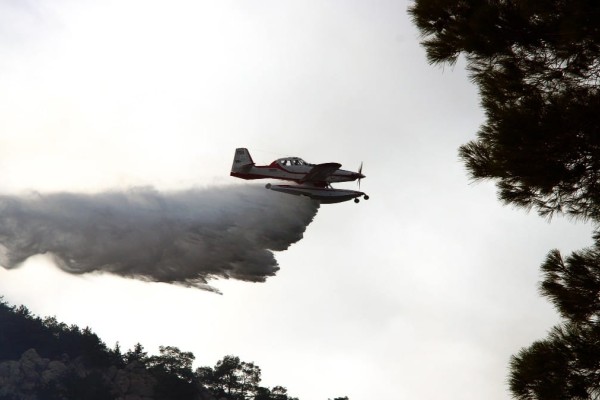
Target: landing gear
{"x": 268, "y": 186}
{"x": 365, "y": 196}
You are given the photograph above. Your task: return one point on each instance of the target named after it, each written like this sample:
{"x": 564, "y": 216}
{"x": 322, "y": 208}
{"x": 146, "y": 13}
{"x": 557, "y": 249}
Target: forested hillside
{"x": 48, "y": 360}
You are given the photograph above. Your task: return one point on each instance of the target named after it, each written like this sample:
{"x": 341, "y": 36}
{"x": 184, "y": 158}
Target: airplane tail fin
{"x": 242, "y": 161}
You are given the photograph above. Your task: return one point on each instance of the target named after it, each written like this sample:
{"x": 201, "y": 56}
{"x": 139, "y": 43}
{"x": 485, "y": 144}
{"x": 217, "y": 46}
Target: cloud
{"x": 185, "y": 237}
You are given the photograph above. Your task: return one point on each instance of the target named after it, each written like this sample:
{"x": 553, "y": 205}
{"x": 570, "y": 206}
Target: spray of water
{"x": 186, "y": 237}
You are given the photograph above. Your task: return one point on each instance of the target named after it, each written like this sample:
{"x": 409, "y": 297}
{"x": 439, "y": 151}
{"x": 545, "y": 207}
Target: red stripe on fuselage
{"x": 296, "y": 176}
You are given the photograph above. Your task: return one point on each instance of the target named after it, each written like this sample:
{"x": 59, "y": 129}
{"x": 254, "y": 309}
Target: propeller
{"x": 360, "y": 175}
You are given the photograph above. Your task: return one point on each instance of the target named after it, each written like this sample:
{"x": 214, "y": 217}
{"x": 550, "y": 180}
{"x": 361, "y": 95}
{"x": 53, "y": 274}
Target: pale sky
{"x": 424, "y": 291}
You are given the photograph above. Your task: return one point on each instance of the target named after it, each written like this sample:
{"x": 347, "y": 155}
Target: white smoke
{"x": 186, "y": 237}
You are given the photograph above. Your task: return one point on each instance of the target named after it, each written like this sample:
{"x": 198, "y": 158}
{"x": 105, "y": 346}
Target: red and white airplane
{"x": 311, "y": 180}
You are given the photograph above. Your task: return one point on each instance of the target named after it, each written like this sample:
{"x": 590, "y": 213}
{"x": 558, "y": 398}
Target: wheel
{"x": 366, "y": 197}
{"x": 268, "y": 186}
{"x": 356, "y": 200}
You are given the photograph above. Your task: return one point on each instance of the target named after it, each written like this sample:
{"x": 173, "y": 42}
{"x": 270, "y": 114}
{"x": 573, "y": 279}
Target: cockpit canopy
{"x": 291, "y": 161}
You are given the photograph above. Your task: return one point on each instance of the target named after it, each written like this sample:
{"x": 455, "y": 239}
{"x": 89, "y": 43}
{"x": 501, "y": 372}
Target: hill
{"x": 47, "y": 360}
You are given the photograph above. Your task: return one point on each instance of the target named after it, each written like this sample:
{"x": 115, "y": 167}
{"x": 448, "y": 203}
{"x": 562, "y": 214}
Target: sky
{"x": 423, "y": 291}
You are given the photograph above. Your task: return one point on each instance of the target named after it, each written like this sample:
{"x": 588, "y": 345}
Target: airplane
{"x": 313, "y": 181}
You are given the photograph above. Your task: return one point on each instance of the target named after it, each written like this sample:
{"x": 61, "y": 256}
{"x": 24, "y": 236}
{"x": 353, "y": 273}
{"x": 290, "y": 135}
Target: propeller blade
{"x": 360, "y": 174}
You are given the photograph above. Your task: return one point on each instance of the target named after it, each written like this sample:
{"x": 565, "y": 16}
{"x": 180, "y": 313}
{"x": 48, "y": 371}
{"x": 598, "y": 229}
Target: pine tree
{"x": 537, "y": 65}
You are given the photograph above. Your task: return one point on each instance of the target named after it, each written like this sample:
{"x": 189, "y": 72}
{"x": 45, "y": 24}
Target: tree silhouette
{"x": 21, "y": 330}
{"x": 90, "y": 366}
{"x": 279, "y": 393}
{"x": 567, "y": 363}
{"x": 136, "y": 355}
{"x": 234, "y": 379}
{"x": 173, "y": 370}
{"x": 173, "y": 361}
{"x": 573, "y": 284}
{"x": 537, "y": 65}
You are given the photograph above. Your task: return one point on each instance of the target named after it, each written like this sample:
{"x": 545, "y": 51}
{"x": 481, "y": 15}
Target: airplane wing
{"x": 320, "y": 172}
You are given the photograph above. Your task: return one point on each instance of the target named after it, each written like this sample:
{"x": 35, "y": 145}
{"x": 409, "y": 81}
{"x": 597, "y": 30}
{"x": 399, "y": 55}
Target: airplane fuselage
{"x": 295, "y": 170}
{"x": 292, "y": 173}
{"x": 313, "y": 181}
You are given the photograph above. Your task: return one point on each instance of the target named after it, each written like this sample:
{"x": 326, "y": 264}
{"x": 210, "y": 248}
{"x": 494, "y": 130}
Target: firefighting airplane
{"x": 311, "y": 180}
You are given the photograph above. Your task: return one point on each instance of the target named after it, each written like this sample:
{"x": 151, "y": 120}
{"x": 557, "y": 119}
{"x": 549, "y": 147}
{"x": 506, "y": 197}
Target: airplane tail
{"x": 242, "y": 161}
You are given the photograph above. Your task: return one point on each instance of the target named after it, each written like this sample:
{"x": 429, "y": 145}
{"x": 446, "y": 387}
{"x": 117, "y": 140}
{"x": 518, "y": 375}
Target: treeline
{"x": 49, "y": 360}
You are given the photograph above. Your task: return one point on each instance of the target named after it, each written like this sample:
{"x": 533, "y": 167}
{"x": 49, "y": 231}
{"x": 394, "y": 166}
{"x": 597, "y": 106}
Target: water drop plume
{"x": 187, "y": 237}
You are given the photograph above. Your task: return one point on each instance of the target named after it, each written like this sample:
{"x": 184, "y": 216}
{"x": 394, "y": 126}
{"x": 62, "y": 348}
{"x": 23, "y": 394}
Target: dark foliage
{"x": 89, "y": 387}
{"x": 22, "y": 331}
{"x": 566, "y": 365}
{"x": 537, "y": 65}
{"x": 234, "y": 379}
{"x": 171, "y": 370}
{"x": 573, "y": 284}
{"x": 136, "y": 355}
